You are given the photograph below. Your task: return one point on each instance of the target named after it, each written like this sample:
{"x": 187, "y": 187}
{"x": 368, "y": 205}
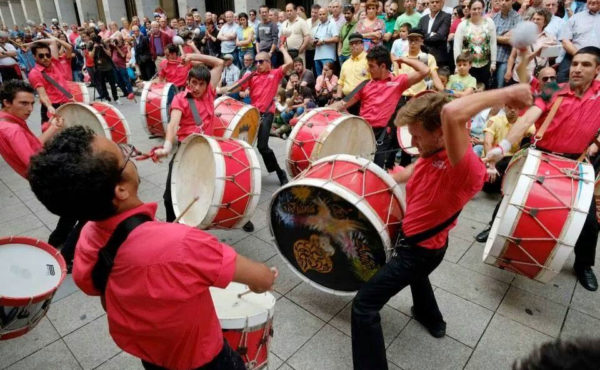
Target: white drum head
{"x": 194, "y": 173}
{"x": 405, "y": 140}
{"x": 77, "y": 114}
{"x": 247, "y": 311}
{"x": 346, "y": 135}
{"x": 27, "y": 271}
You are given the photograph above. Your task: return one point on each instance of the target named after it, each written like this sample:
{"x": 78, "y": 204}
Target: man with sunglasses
{"x": 263, "y": 84}
{"x": 48, "y": 79}
{"x": 155, "y": 289}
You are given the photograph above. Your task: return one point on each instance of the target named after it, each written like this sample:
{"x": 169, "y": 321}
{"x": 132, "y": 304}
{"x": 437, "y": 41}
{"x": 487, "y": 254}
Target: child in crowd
{"x": 281, "y": 106}
{"x": 444, "y": 75}
{"x": 462, "y": 83}
{"x": 400, "y": 46}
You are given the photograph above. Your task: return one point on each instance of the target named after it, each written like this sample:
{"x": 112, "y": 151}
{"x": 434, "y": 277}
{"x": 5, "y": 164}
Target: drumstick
{"x": 244, "y": 293}
{"x": 186, "y": 209}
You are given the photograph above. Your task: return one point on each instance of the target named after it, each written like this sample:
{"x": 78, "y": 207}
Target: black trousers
{"x": 390, "y": 160}
{"x": 410, "y": 266}
{"x": 383, "y": 139}
{"x": 495, "y": 187}
{"x": 482, "y": 75}
{"x": 9, "y": 73}
{"x": 268, "y": 156}
{"x": 227, "y": 359}
{"x": 102, "y": 77}
{"x": 147, "y": 70}
{"x": 44, "y": 111}
{"x": 169, "y": 211}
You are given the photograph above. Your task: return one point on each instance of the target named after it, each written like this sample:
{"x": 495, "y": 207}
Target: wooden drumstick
{"x": 186, "y": 209}
{"x": 244, "y": 293}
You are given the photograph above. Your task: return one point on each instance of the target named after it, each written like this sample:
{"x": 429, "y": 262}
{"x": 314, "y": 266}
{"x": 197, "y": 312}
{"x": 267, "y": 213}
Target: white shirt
{"x": 7, "y": 61}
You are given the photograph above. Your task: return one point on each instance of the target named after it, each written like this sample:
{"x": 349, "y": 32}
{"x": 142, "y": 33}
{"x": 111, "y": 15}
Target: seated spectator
{"x": 400, "y": 46}
{"x": 462, "y": 83}
{"x": 326, "y": 85}
{"x": 307, "y": 78}
{"x": 231, "y": 73}
{"x": 280, "y": 128}
{"x": 296, "y": 107}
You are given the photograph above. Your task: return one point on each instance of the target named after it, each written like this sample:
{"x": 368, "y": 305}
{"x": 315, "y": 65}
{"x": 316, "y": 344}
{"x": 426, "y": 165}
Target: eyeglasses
{"x": 221, "y": 23}
{"x": 44, "y": 55}
{"x": 548, "y": 78}
{"x": 259, "y": 61}
{"x": 129, "y": 151}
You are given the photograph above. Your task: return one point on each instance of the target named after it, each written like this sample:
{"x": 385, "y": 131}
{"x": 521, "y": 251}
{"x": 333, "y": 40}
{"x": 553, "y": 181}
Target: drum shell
{"x": 79, "y": 91}
{"x": 318, "y": 131}
{"x": 235, "y": 119}
{"x": 519, "y": 239}
{"x": 101, "y": 117}
{"x": 155, "y": 104}
{"x": 230, "y": 200}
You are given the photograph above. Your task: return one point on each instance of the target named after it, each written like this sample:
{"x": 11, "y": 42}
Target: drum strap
{"x": 107, "y": 254}
{"x": 356, "y": 90}
{"x": 424, "y": 235}
{"x": 540, "y": 133}
{"x": 195, "y": 114}
{"x": 55, "y": 84}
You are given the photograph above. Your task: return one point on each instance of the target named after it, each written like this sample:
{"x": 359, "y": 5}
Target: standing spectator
{"x": 89, "y": 62}
{"x": 336, "y": 13}
{"x": 477, "y": 36}
{"x": 190, "y": 23}
{"x": 210, "y": 42}
{"x": 326, "y": 85}
{"x": 505, "y": 20}
{"x": 443, "y": 7}
{"x": 143, "y": 55}
{"x": 8, "y": 63}
{"x": 409, "y": 16}
{"x": 326, "y": 37}
{"x": 228, "y": 33}
{"x": 354, "y": 70}
{"x": 266, "y": 37}
{"x": 347, "y": 29}
{"x": 496, "y": 6}
{"x": 158, "y": 43}
{"x": 119, "y": 50}
{"x": 312, "y": 22}
{"x": 436, "y": 27}
{"x": 104, "y": 32}
{"x": 421, "y": 6}
{"x": 581, "y": 31}
{"x": 24, "y": 57}
{"x": 126, "y": 29}
{"x": 371, "y": 28}
{"x": 74, "y": 35}
{"x": 248, "y": 64}
{"x": 104, "y": 69}
{"x": 400, "y": 46}
{"x": 253, "y": 20}
{"x": 65, "y": 55}
{"x": 391, "y": 15}
{"x": 295, "y": 32}
{"x": 556, "y": 24}
{"x": 245, "y": 38}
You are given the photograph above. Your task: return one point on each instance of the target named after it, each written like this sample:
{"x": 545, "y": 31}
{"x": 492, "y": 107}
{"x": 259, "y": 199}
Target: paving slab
{"x": 473, "y": 260}
{"x": 92, "y": 345}
{"x": 255, "y": 248}
{"x": 559, "y": 289}
{"x": 122, "y": 361}
{"x": 321, "y": 304}
{"x": 586, "y": 301}
{"x": 287, "y": 279}
{"x": 18, "y": 348}
{"x": 74, "y": 311}
{"x": 579, "y": 324}
{"x": 330, "y": 349}
{"x": 54, "y": 356}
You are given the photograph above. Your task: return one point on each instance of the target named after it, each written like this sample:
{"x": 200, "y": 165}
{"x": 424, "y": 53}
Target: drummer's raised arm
{"x": 215, "y": 65}
{"x": 288, "y": 62}
{"x": 456, "y": 113}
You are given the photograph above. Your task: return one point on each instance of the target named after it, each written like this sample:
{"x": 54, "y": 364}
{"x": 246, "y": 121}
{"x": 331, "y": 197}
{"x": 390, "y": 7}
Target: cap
{"x": 228, "y": 56}
{"x": 355, "y": 37}
{"x": 416, "y": 32}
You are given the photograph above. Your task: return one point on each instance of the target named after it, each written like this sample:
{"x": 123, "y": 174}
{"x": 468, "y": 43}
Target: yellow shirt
{"x": 498, "y": 126}
{"x": 405, "y": 68}
{"x": 354, "y": 71}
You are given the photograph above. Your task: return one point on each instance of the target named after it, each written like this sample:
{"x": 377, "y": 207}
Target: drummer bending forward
{"x": 263, "y": 84}
{"x": 157, "y": 300}
{"x": 187, "y": 119}
{"x": 445, "y": 177}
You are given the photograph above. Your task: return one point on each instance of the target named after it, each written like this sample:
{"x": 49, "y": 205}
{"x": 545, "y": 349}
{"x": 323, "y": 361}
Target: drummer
{"x": 156, "y": 295}
{"x": 380, "y": 95}
{"x": 175, "y": 68}
{"x": 263, "y": 84}
{"x": 577, "y": 113}
{"x": 438, "y": 185}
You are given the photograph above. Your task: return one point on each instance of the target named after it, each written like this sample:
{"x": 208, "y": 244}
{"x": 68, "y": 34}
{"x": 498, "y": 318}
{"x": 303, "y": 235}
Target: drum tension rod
{"x": 540, "y": 179}
{"x": 533, "y": 212}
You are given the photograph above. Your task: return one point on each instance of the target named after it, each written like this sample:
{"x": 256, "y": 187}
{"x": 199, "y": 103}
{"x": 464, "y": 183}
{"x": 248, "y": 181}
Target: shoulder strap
{"x": 424, "y": 235}
{"x": 195, "y": 114}
{"x": 356, "y": 90}
{"x": 108, "y": 253}
{"x": 540, "y": 133}
{"x": 55, "y": 84}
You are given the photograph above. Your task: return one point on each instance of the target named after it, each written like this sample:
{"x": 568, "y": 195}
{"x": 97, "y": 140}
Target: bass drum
{"x": 102, "y": 118}
{"x": 79, "y": 91}
{"x": 236, "y": 119}
{"x": 335, "y": 223}
{"x": 154, "y": 106}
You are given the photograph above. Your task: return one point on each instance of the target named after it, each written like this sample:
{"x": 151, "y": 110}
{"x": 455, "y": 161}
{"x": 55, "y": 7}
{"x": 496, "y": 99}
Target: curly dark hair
{"x": 380, "y": 55}
{"x": 576, "y": 354}
{"x": 11, "y": 88}
{"x": 72, "y": 180}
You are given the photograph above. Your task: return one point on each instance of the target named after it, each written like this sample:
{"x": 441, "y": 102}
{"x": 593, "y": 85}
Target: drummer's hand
{"x": 592, "y": 150}
{"x": 492, "y": 173}
{"x": 165, "y": 150}
{"x": 493, "y": 156}
{"x": 275, "y": 272}
{"x": 519, "y": 96}
{"x": 51, "y": 111}
{"x": 57, "y": 121}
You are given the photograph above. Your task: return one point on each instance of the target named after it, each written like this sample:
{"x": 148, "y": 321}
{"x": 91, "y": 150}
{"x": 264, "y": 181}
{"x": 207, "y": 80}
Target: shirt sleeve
{"x": 163, "y": 72}
{"x": 402, "y": 80}
{"x": 35, "y": 79}
{"x": 179, "y": 103}
{"x": 567, "y": 31}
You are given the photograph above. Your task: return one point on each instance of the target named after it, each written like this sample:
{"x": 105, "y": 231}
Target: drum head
{"x": 347, "y": 135}
{"x": 193, "y": 176}
{"x": 324, "y": 238}
{"x": 247, "y": 127}
{"x": 249, "y": 310}
{"x": 28, "y": 270}
{"x": 78, "y": 114}
{"x": 405, "y": 141}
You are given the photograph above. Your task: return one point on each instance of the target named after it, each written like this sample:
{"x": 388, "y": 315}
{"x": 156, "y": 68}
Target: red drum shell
{"x": 102, "y": 118}
{"x": 154, "y": 106}
{"x": 79, "y": 91}
{"x": 236, "y": 119}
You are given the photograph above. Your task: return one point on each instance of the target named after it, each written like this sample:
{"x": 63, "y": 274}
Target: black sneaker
{"x": 248, "y": 227}
{"x": 483, "y": 236}
{"x": 587, "y": 278}
{"x": 282, "y": 177}
{"x": 436, "y": 330}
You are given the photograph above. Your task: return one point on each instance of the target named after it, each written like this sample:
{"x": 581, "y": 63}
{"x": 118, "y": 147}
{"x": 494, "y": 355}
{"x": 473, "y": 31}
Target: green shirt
{"x": 460, "y": 83}
{"x": 346, "y": 30}
{"x": 405, "y": 18}
{"x": 389, "y": 28}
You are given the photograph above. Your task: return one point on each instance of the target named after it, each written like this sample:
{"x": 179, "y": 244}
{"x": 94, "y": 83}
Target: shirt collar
{"x": 9, "y": 117}
{"x": 566, "y": 90}
{"x": 111, "y": 223}
{"x": 359, "y": 57}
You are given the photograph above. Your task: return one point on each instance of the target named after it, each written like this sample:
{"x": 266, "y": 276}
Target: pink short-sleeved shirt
{"x": 17, "y": 143}
{"x": 206, "y": 110}
{"x": 378, "y": 99}
{"x": 263, "y": 88}
{"x": 54, "y": 71}
{"x": 174, "y": 71}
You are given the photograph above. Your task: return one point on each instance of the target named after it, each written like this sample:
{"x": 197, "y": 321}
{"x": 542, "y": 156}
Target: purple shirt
{"x": 158, "y": 45}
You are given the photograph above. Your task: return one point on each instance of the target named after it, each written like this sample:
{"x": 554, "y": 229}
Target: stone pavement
{"x": 493, "y": 316}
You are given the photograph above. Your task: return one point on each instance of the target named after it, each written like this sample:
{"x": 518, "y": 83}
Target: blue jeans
{"x": 343, "y": 58}
{"x": 500, "y": 72}
{"x": 287, "y": 116}
{"x": 77, "y": 75}
{"x": 319, "y": 64}
{"x": 123, "y": 80}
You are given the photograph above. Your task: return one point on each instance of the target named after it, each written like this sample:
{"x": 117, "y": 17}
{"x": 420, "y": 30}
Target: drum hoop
{"x": 255, "y": 188}
{"x": 9, "y": 301}
{"x": 220, "y": 100}
{"x": 412, "y": 150}
{"x": 292, "y": 136}
{"x": 84, "y": 92}
{"x": 332, "y": 126}
{"x": 92, "y": 110}
{"x": 144, "y": 97}
{"x": 164, "y": 111}
{"x": 121, "y": 118}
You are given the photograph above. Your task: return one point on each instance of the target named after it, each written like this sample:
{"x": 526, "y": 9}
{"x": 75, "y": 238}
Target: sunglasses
{"x": 221, "y": 23}
{"x": 259, "y": 61}
{"x": 129, "y": 151}
{"x": 44, "y": 55}
{"x": 548, "y": 78}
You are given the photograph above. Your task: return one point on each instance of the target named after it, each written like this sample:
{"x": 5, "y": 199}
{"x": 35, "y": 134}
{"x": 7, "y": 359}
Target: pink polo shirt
{"x": 174, "y": 71}
{"x": 263, "y": 88}
{"x": 158, "y": 304}
{"x": 17, "y": 143}
{"x": 55, "y": 72}
{"x": 206, "y": 110}
{"x": 65, "y": 64}
{"x": 437, "y": 190}
{"x": 575, "y": 115}
{"x": 378, "y": 99}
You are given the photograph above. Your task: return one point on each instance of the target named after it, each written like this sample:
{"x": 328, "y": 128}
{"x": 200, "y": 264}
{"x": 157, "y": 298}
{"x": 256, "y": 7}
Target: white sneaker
{"x": 118, "y": 102}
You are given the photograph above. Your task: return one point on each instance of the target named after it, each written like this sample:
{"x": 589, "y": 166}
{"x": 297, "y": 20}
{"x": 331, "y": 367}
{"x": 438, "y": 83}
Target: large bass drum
{"x": 155, "y": 104}
{"x": 101, "y": 117}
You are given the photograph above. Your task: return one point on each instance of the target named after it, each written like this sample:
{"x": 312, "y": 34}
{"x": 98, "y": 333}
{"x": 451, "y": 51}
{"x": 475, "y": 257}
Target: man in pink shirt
{"x": 154, "y": 277}
{"x": 438, "y": 185}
